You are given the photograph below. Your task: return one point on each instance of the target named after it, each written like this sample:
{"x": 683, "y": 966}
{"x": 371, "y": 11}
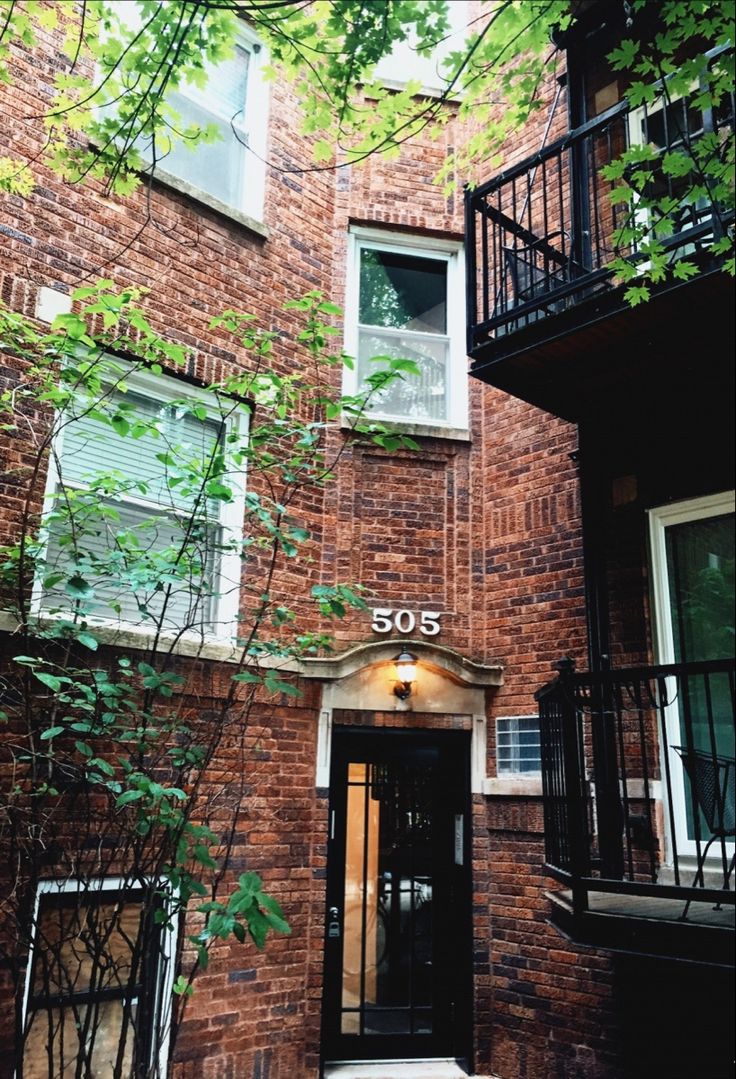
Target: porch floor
{"x": 667, "y": 910}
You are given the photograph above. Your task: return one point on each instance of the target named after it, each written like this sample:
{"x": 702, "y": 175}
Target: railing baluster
{"x": 484, "y": 258}
{"x": 644, "y": 739}
{"x": 662, "y": 703}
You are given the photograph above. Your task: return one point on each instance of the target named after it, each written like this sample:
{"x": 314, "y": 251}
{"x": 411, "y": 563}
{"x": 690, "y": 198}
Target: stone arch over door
{"x": 359, "y": 684}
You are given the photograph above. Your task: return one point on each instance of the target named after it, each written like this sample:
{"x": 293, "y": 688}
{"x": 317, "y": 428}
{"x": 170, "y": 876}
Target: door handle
{"x": 333, "y": 923}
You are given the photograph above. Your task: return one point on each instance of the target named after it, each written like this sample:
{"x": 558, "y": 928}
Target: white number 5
{"x": 429, "y": 623}
{"x": 381, "y": 620}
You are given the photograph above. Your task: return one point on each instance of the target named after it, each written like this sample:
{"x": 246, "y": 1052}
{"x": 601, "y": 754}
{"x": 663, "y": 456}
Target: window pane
{"x": 700, "y": 566}
{"x": 85, "y": 946}
{"x": 215, "y": 167}
{"x": 107, "y": 1029}
{"x": 91, "y": 446}
{"x": 417, "y": 397}
{"x": 128, "y": 563}
{"x": 403, "y": 291}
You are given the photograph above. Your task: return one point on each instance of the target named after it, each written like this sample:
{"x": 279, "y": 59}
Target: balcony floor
{"x": 643, "y": 925}
{"x": 668, "y": 910}
{"x": 586, "y": 359}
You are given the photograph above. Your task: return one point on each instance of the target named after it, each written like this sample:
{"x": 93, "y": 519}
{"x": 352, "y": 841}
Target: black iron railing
{"x": 639, "y": 779}
{"x": 541, "y": 236}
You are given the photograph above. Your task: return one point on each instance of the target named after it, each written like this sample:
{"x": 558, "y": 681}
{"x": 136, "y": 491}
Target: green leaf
{"x": 636, "y": 294}
{"x": 181, "y": 986}
{"x": 50, "y": 680}
{"x": 77, "y": 587}
{"x": 51, "y": 733}
{"x": 128, "y": 796}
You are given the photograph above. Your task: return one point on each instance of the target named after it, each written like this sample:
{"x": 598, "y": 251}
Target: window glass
{"x": 218, "y": 167}
{"x": 92, "y": 975}
{"x": 404, "y": 63}
{"x": 403, "y": 291}
{"x": 403, "y": 314}
{"x": 129, "y": 518}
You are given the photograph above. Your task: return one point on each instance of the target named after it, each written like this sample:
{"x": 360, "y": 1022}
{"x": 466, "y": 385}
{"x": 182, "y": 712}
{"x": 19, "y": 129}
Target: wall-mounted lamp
{"x": 406, "y": 674}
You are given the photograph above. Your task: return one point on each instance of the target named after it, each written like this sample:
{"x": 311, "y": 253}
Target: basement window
{"x": 99, "y": 981}
{"x": 518, "y": 749}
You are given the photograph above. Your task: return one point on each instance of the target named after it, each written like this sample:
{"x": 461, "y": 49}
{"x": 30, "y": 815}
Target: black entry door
{"x": 397, "y": 971}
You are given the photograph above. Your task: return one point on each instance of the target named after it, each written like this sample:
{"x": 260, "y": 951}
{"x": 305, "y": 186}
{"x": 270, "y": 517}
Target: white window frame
{"x": 511, "y": 773}
{"x": 167, "y": 967}
{"x": 404, "y": 64}
{"x": 636, "y": 120}
{"x": 253, "y": 127}
{"x": 442, "y": 250}
{"x": 166, "y": 389}
{"x": 660, "y": 519}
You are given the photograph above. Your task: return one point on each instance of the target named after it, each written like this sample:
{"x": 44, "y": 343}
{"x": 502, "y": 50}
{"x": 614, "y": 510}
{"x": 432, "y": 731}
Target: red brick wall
{"x": 485, "y": 530}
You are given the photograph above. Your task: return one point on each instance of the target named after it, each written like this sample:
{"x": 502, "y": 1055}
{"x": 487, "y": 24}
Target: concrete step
{"x": 397, "y": 1069}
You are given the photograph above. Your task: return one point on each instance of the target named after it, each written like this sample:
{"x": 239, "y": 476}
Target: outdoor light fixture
{"x": 406, "y": 674}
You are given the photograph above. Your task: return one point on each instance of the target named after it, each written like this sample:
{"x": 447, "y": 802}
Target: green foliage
{"x": 113, "y": 609}
{"x": 125, "y": 61}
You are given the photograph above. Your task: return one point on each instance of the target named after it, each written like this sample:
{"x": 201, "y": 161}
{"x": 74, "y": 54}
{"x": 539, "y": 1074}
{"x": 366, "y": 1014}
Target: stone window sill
{"x": 220, "y": 650}
{"x": 415, "y": 430}
{"x": 167, "y": 179}
{"x": 513, "y": 787}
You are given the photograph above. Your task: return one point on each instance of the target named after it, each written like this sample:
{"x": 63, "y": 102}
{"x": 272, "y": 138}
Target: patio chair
{"x": 713, "y": 780}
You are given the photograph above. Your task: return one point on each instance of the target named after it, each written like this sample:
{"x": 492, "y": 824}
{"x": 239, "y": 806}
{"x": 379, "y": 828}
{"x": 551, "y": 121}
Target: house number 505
{"x": 384, "y": 620}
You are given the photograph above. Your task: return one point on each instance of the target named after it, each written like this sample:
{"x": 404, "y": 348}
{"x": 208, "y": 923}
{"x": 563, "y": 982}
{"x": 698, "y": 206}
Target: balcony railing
{"x": 540, "y": 237}
{"x": 639, "y": 779}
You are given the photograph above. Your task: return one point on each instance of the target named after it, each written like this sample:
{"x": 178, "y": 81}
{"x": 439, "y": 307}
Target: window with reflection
{"x": 407, "y": 293}
{"x": 95, "y": 985}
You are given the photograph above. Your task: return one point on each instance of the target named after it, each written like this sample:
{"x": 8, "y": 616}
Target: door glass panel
{"x": 700, "y": 569}
{"x": 387, "y": 975}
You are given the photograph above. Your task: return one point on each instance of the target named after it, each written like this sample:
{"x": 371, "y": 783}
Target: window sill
{"x": 513, "y": 787}
{"x": 167, "y": 179}
{"x": 219, "y": 650}
{"x": 414, "y": 430}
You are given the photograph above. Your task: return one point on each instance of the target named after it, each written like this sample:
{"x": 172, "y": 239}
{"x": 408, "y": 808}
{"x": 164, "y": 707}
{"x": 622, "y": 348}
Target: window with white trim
{"x": 99, "y": 977}
{"x": 231, "y": 98}
{"x": 135, "y": 534}
{"x": 405, "y": 297}
{"x": 404, "y": 64}
{"x": 518, "y": 749}
{"x": 233, "y": 101}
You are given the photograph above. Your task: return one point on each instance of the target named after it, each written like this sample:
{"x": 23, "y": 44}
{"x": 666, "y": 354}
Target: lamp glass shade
{"x": 406, "y": 667}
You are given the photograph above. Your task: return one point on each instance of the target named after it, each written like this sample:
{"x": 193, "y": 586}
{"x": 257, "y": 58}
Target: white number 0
{"x": 384, "y": 620}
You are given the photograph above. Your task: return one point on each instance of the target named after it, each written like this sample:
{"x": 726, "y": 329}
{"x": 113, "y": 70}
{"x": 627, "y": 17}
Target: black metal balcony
{"x": 639, "y": 779}
{"x": 544, "y": 313}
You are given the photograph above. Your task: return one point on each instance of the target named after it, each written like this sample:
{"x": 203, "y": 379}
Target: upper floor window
{"x": 404, "y": 64}
{"x": 233, "y": 102}
{"x": 140, "y": 530}
{"x": 405, "y": 297}
{"x": 229, "y": 101}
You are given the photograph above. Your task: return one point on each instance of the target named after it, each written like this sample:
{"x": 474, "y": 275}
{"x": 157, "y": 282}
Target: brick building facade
{"x": 481, "y": 523}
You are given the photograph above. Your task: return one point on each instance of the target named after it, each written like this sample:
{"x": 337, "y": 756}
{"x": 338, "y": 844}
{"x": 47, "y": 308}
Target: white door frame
{"x": 660, "y": 519}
